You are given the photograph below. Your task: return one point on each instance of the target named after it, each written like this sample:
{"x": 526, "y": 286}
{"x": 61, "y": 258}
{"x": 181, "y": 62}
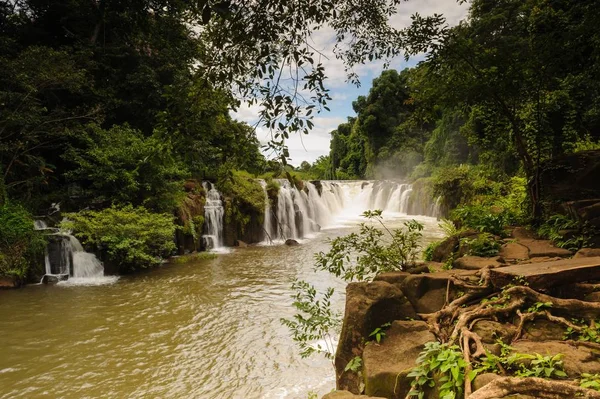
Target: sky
{"x": 316, "y": 143}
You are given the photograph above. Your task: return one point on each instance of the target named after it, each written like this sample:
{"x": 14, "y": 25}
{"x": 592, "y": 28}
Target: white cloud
{"x": 316, "y": 143}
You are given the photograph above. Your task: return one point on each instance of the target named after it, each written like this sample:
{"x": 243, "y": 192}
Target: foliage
{"x": 538, "y": 306}
{"x": 590, "y": 381}
{"x": 480, "y": 218}
{"x": 379, "y": 332}
{"x": 449, "y": 228}
{"x": 132, "y": 238}
{"x": 355, "y": 364}
{"x": 20, "y": 245}
{"x": 483, "y": 245}
{"x": 316, "y": 322}
{"x": 360, "y": 256}
{"x": 195, "y": 257}
{"x": 554, "y": 229}
{"x": 442, "y": 363}
{"x": 429, "y": 250}
{"x": 588, "y": 333}
{"x": 522, "y": 364}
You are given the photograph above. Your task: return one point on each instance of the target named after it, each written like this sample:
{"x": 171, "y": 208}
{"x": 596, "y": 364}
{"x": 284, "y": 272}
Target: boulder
{"x": 522, "y": 233}
{"x": 291, "y": 242}
{"x": 347, "y": 395}
{"x": 548, "y": 274}
{"x": 427, "y": 292}
{"x": 571, "y": 177}
{"x": 386, "y": 365}
{"x": 8, "y": 282}
{"x": 576, "y": 360}
{"x": 513, "y": 252}
{"x": 241, "y": 244}
{"x": 368, "y": 306}
{"x": 450, "y": 245}
{"x": 490, "y": 331}
{"x": 541, "y": 248}
{"x": 543, "y": 330}
{"x": 587, "y": 253}
{"x": 394, "y": 278}
{"x": 476, "y": 262}
{"x": 54, "y": 278}
{"x": 483, "y": 379}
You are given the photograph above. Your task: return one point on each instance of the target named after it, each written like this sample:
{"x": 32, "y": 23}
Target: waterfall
{"x": 213, "y": 218}
{"x": 65, "y": 260}
{"x": 299, "y": 213}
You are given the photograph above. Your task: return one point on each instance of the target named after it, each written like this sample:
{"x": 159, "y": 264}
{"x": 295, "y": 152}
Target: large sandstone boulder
{"x": 8, "y": 282}
{"x": 544, "y": 248}
{"x": 427, "y": 292}
{"x": 386, "y": 365}
{"x": 587, "y": 253}
{"x": 576, "y": 360}
{"x": 368, "y": 306}
{"x": 476, "y": 262}
{"x": 513, "y": 252}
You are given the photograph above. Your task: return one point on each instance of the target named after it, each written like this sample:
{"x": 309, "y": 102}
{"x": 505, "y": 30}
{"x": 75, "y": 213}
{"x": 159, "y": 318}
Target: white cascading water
{"x": 213, "y": 218}
{"x": 83, "y": 268}
{"x": 299, "y": 213}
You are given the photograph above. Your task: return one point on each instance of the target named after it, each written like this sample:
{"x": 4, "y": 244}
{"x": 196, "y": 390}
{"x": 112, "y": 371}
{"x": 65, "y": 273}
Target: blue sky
{"x": 316, "y": 143}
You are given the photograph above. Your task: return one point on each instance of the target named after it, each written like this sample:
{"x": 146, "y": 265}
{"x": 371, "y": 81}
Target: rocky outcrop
{"x": 347, "y": 395}
{"x": 386, "y": 365}
{"x": 368, "y": 306}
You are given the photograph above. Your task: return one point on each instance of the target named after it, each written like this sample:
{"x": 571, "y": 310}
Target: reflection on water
{"x": 208, "y": 329}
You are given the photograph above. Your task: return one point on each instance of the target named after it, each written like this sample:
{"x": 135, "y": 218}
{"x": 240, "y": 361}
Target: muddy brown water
{"x": 207, "y": 329}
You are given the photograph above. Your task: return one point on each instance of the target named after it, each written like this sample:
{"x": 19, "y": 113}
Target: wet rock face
{"x": 386, "y": 365}
{"x": 572, "y": 177}
{"x": 368, "y": 306}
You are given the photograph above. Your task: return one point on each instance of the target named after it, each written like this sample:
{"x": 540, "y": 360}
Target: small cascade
{"x": 65, "y": 260}
{"x": 213, "y": 218}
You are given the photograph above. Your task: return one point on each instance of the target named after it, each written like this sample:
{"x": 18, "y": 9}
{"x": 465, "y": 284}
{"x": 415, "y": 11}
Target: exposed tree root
{"x": 536, "y": 387}
{"x": 525, "y": 317}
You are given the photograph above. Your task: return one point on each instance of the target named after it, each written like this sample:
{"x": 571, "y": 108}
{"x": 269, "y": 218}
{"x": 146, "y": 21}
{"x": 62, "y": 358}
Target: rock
{"x": 548, "y": 274}
{"x": 241, "y": 244}
{"x": 54, "y": 278}
{"x": 576, "y": 360}
{"x": 540, "y": 260}
{"x": 592, "y": 297}
{"x": 347, "y": 395}
{"x": 386, "y": 365}
{"x": 443, "y": 251}
{"x": 427, "y": 292}
{"x": 513, "y": 252}
{"x": 587, "y": 253}
{"x": 590, "y": 212}
{"x": 571, "y": 177}
{"x": 490, "y": 331}
{"x": 368, "y": 306}
{"x": 291, "y": 242}
{"x": 483, "y": 379}
{"x": 394, "y": 278}
{"x": 9, "y": 282}
{"x": 539, "y": 248}
{"x": 476, "y": 262}
{"x": 543, "y": 330}
{"x": 521, "y": 233}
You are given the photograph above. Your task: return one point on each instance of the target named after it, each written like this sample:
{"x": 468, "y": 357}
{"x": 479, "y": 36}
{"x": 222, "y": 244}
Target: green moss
{"x": 195, "y": 257}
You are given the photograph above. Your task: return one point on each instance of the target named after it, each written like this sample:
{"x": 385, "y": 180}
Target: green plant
{"x": 449, "y": 228}
{"x": 449, "y": 263}
{"x": 587, "y": 333}
{"x": 481, "y": 218}
{"x": 315, "y": 321}
{"x": 132, "y": 238}
{"x": 442, "y": 362}
{"x": 554, "y": 229}
{"x": 538, "y": 306}
{"x": 195, "y": 257}
{"x": 355, "y": 364}
{"x": 429, "y": 250}
{"x": 483, "y": 245}
{"x": 20, "y": 245}
{"x": 361, "y": 256}
{"x": 590, "y": 381}
{"x": 379, "y": 332}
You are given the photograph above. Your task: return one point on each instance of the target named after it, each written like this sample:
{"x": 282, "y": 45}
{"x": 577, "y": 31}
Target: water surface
{"x": 208, "y": 329}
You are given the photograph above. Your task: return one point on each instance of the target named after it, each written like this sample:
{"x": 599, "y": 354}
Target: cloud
{"x": 316, "y": 143}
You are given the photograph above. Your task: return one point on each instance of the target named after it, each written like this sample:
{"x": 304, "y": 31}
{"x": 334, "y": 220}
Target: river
{"x": 206, "y": 329}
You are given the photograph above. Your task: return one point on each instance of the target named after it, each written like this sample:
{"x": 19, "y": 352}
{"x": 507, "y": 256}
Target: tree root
{"x": 525, "y": 317}
{"x": 536, "y": 387}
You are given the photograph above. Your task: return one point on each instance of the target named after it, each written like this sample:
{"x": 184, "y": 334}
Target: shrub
{"x": 480, "y": 218}
{"x": 21, "y": 247}
{"x": 133, "y": 238}
{"x": 554, "y": 229}
{"x": 360, "y": 256}
{"x": 483, "y": 245}
{"x": 428, "y": 252}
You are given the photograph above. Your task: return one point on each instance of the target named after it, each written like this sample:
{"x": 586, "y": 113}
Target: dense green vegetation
{"x": 514, "y": 85}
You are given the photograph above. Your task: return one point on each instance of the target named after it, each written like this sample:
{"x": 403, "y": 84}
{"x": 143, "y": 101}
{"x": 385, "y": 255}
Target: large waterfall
{"x": 213, "y": 218}
{"x": 297, "y": 213}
